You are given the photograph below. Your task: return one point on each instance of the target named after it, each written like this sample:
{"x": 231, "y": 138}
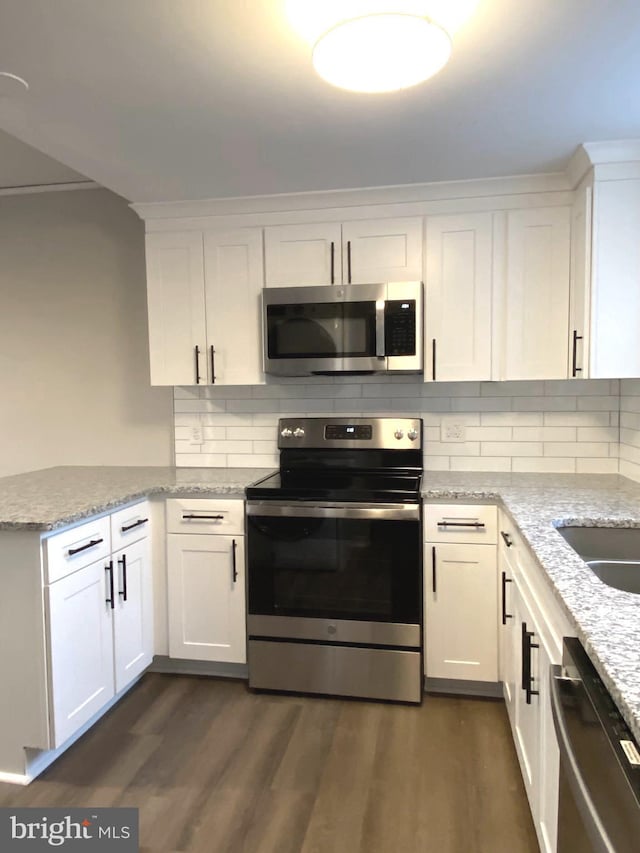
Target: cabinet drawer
{"x": 77, "y": 547}
{"x": 130, "y": 524}
{"x": 204, "y": 515}
{"x": 460, "y": 523}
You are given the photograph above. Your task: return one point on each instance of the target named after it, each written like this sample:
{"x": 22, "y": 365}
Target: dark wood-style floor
{"x": 215, "y": 768}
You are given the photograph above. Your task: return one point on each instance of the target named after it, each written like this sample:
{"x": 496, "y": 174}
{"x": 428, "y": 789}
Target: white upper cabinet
{"x": 615, "y": 284}
{"x": 175, "y": 300}
{"x": 233, "y": 283}
{"x": 536, "y": 294}
{"x": 303, "y": 254}
{"x": 203, "y": 294}
{"x": 458, "y": 282}
{"x": 382, "y": 250}
{"x": 360, "y": 252}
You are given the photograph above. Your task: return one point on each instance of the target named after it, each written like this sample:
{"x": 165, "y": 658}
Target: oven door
{"x": 345, "y": 573}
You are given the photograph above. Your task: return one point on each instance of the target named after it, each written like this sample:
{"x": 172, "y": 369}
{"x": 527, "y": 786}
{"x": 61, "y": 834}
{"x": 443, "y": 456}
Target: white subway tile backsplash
{"x": 520, "y": 426}
{"x": 511, "y": 448}
{"x": 597, "y": 466}
{"x": 480, "y": 463}
{"x": 543, "y": 465}
{"x": 541, "y": 433}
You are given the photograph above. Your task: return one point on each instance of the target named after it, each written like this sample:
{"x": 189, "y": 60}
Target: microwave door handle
{"x": 380, "y": 304}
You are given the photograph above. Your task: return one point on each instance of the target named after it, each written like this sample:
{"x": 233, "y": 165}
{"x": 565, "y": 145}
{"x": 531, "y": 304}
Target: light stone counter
{"x": 55, "y": 497}
{"x": 606, "y": 620}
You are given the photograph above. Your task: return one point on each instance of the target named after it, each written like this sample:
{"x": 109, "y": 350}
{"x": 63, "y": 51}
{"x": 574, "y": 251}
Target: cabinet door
{"x": 526, "y": 729}
{"x": 133, "y": 614}
{"x": 461, "y": 634}
{"x": 458, "y": 297}
{"x": 233, "y": 276}
{"x": 579, "y": 302}
{"x": 206, "y": 597}
{"x": 615, "y": 307}
{"x": 303, "y": 254}
{"x": 80, "y": 648}
{"x": 175, "y": 300}
{"x": 506, "y": 630}
{"x": 536, "y": 310}
{"x": 382, "y": 250}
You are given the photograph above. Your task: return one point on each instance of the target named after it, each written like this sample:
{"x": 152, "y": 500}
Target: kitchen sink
{"x": 612, "y": 553}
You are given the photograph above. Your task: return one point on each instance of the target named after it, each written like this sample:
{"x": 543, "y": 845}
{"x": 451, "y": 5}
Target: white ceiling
{"x": 184, "y": 99}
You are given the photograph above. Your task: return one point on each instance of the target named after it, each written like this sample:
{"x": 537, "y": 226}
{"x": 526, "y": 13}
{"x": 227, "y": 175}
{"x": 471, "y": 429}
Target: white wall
{"x": 74, "y": 371}
{"x": 569, "y": 426}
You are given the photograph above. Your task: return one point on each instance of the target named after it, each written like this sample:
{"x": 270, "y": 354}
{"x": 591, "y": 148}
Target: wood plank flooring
{"x": 215, "y": 768}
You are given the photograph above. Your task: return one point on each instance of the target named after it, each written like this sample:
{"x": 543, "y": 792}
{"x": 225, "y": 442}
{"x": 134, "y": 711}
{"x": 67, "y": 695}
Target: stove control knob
{"x": 399, "y": 434}
{"x": 286, "y": 432}
{"x": 298, "y": 432}
{"x": 412, "y": 434}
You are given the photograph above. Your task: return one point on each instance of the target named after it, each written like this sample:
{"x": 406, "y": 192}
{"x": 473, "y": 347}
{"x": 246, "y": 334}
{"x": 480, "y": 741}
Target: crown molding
{"x": 331, "y": 199}
{"x": 50, "y": 188}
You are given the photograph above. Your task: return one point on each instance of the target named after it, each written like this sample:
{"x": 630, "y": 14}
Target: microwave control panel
{"x": 400, "y": 327}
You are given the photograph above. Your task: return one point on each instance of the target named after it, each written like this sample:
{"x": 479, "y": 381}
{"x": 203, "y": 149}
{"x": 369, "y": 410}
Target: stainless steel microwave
{"x": 357, "y": 329}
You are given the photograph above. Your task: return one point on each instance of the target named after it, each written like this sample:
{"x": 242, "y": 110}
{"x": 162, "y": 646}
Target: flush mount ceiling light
{"x": 383, "y": 52}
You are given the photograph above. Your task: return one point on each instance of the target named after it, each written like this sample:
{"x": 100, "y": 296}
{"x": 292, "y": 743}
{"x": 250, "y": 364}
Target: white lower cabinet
{"x": 100, "y": 633}
{"x": 80, "y": 648}
{"x": 133, "y": 613}
{"x": 531, "y": 632}
{"x": 461, "y": 612}
{"x": 206, "y": 587}
{"x": 460, "y": 593}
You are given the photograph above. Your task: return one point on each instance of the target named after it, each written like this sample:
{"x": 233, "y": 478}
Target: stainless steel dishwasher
{"x": 599, "y": 806}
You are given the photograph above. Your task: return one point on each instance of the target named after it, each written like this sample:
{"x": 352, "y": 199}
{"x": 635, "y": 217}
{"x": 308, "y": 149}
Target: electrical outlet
{"x": 452, "y": 430}
{"x": 196, "y": 435}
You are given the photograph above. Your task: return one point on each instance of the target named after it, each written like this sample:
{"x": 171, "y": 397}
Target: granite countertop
{"x": 55, "y": 497}
{"x": 606, "y": 620}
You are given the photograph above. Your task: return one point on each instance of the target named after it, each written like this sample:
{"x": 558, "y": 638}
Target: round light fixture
{"x": 382, "y": 52}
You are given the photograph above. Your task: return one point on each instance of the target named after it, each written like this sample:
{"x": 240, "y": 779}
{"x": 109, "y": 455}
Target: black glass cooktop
{"x": 362, "y": 486}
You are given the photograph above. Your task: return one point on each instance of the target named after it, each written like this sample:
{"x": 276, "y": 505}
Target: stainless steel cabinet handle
{"x": 433, "y": 568}
{"x": 188, "y": 515}
{"x": 197, "y": 357}
{"x": 476, "y": 525}
{"x": 433, "y": 359}
{"x": 213, "y": 365}
{"x": 348, "y": 261}
{"x": 111, "y": 599}
{"x": 333, "y": 262}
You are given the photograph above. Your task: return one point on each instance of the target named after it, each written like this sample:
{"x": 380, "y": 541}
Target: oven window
{"x": 322, "y": 330}
{"x": 335, "y": 568}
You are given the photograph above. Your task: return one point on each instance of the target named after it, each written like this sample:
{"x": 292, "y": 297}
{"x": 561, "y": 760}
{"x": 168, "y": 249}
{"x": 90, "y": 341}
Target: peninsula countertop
{"x": 54, "y": 497}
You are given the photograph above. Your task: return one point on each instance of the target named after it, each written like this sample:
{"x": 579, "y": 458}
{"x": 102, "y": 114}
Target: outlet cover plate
{"x": 451, "y": 430}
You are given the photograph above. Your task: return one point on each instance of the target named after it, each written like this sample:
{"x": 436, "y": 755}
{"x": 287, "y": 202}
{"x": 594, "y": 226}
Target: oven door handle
{"x": 381, "y": 512}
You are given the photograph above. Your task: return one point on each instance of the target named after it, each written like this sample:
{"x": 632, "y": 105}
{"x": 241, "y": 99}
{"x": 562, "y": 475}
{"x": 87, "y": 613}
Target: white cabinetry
{"x": 176, "y": 306}
{"x": 203, "y": 293}
{"x": 461, "y": 637}
{"x": 536, "y": 294}
{"x": 359, "y": 252}
{"x": 100, "y": 618}
{"x": 80, "y": 648}
{"x": 531, "y": 641}
{"x": 615, "y": 283}
{"x": 458, "y": 309}
{"x": 206, "y": 580}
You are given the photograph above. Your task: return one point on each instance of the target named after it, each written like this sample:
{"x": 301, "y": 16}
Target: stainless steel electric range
{"x": 334, "y": 561}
